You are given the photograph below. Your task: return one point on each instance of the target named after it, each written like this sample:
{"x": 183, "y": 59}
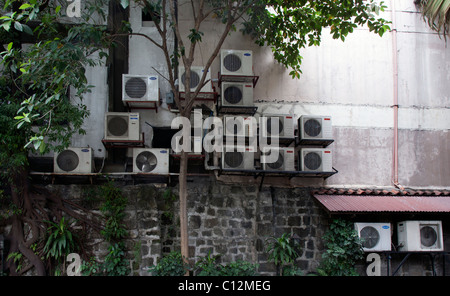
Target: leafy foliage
{"x": 344, "y": 249}
{"x": 289, "y": 26}
{"x": 170, "y": 265}
{"x": 437, "y": 14}
{"x": 283, "y": 251}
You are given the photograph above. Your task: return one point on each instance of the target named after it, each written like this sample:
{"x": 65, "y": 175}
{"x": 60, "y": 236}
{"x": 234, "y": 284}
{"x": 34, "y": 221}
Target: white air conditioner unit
{"x": 374, "y": 236}
{"x": 315, "y": 127}
{"x": 315, "y": 160}
{"x": 285, "y": 161}
{"x": 420, "y": 236}
{"x": 74, "y": 160}
{"x": 196, "y": 75}
{"x": 238, "y": 157}
{"x": 151, "y": 160}
{"x": 122, "y": 126}
{"x": 236, "y": 62}
{"x": 237, "y": 126}
{"x": 236, "y": 94}
{"x": 140, "y": 88}
{"x": 196, "y": 143}
{"x": 285, "y": 126}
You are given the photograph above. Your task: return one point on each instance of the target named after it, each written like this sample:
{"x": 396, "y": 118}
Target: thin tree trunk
{"x": 184, "y": 237}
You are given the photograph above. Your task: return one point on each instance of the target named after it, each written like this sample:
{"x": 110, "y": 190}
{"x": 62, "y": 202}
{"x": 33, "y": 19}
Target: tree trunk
{"x": 184, "y": 237}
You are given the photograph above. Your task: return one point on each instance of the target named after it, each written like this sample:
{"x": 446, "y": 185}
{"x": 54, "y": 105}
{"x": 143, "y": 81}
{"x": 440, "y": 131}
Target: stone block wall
{"x": 230, "y": 221}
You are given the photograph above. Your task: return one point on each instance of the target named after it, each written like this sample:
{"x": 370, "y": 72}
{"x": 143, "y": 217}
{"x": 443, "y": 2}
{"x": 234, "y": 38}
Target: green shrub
{"x": 170, "y": 265}
{"x": 344, "y": 249}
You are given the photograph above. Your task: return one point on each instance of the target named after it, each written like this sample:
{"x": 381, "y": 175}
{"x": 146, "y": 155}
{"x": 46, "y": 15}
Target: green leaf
{"x": 10, "y": 45}
{"x": 18, "y": 26}
{"x": 124, "y": 3}
{"x": 25, "y": 6}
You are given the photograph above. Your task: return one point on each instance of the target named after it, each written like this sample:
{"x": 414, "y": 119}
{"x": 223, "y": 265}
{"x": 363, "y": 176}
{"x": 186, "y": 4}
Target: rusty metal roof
{"x": 351, "y": 203}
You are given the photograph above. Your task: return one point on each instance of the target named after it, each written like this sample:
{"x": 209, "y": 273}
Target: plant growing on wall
{"x": 286, "y": 26}
{"x": 41, "y": 89}
{"x": 283, "y": 251}
{"x": 343, "y": 250}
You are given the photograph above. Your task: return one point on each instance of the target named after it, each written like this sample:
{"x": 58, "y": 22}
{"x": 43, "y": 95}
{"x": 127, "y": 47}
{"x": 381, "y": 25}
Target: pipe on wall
{"x": 395, "y": 95}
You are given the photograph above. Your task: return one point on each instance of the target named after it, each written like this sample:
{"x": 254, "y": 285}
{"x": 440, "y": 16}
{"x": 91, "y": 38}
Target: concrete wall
{"x": 352, "y": 81}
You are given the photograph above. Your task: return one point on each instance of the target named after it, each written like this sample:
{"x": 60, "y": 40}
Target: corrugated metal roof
{"x": 384, "y": 203}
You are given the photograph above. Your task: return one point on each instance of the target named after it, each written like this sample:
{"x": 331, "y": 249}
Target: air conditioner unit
{"x": 237, "y": 126}
{"x": 196, "y": 143}
{"x": 236, "y": 94}
{"x": 196, "y": 75}
{"x": 315, "y": 160}
{"x": 140, "y": 88}
{"x": 315, "y": 127}
{"x": 122, "y": 126}
{"x": 151, "y": 160}
{"x": 238, "y": 157}
{"x": 285, "y": 126}
{"x": 74, "y": 160}
{"x": 420, "y": 236}
{"x": 236, "y": 62}
{"x": 284, "y": 162}
{"x": 375, "y": 236}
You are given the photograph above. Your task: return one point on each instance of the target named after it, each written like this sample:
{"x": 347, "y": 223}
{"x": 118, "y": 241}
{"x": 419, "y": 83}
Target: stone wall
{"x": 226, "y": 220}
{"x": 232, "y": 222}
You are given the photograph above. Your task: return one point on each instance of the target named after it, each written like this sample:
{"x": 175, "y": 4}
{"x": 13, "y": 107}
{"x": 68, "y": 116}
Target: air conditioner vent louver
{"x": 67, "y": 160}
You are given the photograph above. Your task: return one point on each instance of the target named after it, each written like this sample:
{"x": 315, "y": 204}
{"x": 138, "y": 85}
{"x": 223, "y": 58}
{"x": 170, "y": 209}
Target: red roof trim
{"x": 384, "y": 203}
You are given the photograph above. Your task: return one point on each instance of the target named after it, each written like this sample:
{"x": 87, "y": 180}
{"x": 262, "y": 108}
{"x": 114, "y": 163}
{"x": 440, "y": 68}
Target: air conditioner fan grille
{"x": 135, "y": 88}
{"x": 428, "y": 236}
{"x": 195, "y": 79}
{"x": 118, "y": 126}
{"x": 67, "y": 160}
{"x": 370, "y": 237}
{"x": 312, "y": 161}
{"x": 277, "y": 164}
{"x": 312, "y": 127}
{"x": 234, "y": 159}
{"x": 146, "y": 161}
{"x": 232, "y": 62}
{"x": 269, "y": 126}
{"x": 233, "y": 94}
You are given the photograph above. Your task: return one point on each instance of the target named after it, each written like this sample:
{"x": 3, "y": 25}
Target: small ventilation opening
{"x": 233, "y": 95}
{"x": 117, "y": 126}
{"x": 234, "y": 159}
{"x": 370, "y": 237}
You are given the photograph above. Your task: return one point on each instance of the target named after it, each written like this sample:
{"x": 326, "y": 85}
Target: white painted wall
{"x": 352, "y": 81}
